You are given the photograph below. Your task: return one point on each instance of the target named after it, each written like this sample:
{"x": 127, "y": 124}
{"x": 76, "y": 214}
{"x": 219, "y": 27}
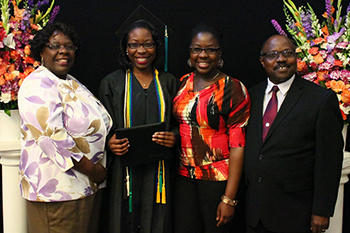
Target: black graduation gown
{"x": 147, "y": 216}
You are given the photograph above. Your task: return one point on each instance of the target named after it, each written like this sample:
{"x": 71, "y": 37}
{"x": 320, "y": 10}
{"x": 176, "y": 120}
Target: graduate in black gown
{"x": 137, "y": 95}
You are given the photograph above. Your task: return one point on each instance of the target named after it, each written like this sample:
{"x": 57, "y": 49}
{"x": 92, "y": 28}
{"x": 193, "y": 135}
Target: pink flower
{"x": 342, "y": 45}
{"x": 310, "y": 76}
{"x": 325, "y": 66}
{"x": 335, "y": 75}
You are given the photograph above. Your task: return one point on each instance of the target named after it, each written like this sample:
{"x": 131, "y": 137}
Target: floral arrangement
{"x": 323, "y": 48}
{"x": 20, "y": 20}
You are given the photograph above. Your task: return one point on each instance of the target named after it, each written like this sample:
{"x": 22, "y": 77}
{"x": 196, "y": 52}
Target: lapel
{"x": 257, "y": 109}
{"x": 293, "y": 96}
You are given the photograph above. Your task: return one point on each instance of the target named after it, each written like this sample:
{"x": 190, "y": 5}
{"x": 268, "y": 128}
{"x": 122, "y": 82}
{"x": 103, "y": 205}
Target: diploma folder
{"x": 142, "y": 149}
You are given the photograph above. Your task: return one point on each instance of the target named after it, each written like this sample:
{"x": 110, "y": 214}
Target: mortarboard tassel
{"x": 166, "y": 49}
{"x": 158, "y": 184}
{"x": 163, "y": 186}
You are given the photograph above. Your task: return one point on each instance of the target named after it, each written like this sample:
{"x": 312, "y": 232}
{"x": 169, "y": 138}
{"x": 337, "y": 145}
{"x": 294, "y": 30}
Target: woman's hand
{"x": 164, "y": 138}
{"x": 224, "y": 213}
{"x": 99, "y": 174}
{"x": 118, "y": 146}
{"x": 96, "y": 172}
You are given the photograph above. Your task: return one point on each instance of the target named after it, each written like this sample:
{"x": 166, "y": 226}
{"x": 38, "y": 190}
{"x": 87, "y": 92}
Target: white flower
{"x": 5, "y": 97}
{"x": 9, "y": 41}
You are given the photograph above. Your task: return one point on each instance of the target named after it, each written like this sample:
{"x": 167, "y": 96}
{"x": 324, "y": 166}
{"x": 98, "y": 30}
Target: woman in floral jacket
{"x": 64, "y": 128}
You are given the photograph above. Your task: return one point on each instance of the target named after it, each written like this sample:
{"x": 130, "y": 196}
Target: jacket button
{"x": 261, "y": 157}
{"x": 260, "y": 179}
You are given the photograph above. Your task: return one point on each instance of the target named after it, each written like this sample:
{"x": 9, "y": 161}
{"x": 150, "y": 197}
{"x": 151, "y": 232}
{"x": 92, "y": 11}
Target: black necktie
{"x": 270, "y": 112}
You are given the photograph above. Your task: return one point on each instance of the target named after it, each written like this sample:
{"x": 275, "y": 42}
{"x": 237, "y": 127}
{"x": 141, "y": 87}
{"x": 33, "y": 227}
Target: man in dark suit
{"x": 292, "y": 175}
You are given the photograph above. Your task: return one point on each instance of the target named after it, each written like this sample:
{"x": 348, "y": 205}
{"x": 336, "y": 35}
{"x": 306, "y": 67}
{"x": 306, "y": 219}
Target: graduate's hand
{"x": 118, "y": 146}
{"x": 164, "y": 138}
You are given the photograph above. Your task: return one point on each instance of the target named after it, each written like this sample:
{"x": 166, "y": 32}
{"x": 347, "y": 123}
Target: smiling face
{"x": 281, "y": 68}
{"x": 204, "y": 63}
{"x": 140, "y": 57}
{"x": 59, "y": 62}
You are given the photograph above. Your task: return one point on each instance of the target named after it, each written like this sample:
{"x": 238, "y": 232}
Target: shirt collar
{"x": 283, "y": 87}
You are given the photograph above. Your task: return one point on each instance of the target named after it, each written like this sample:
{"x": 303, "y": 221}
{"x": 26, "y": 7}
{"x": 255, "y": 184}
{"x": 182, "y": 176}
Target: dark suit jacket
{"x": 295, "y": 172}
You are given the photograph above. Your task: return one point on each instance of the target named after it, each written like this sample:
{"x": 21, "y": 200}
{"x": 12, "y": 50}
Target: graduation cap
{"x": 142, "y": 13}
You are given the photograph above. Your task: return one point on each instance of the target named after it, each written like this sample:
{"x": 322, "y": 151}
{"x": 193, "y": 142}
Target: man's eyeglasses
{"x": 148, "y": 45}
{"x": 275, "y": 54}
{"x": 198, "y": 50}
{"x": 57, "y": 47}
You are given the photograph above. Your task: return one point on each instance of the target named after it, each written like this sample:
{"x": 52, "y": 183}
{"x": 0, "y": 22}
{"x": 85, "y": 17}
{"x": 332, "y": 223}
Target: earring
{"x": 220, "y": 63}
{"x": 189, "y": 63}
{"x": 42, "y": 60}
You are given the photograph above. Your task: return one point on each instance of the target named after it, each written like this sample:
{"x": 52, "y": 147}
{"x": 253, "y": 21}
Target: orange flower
{"x": 320, "y": 75}
{"x": 9, "y": 76}
{"x": 11, "y": 67}
{"x": 20, "y": 81}
{"x": 345, "y": 96}
{"x": 313, "y": 50}
{"x": 338, "y": 63}
{"x": 3, "y": 69}
{"x": 318, "y": 58}
{"x": 28, "y": 71}
{"x": 29, "y": 60}
{"x": 325, "y": 31}
{"x": 14, "y": 54}
{"x": 27, "y": 50}
{"x": 36, "y": 64}
{"x": 318, "y": 40}
{"x": 22, "y": 76}
{"x": 17, "y": 12}
{"x": 35, "y": 27}
{"x": 336, "y": 86}
{"x": 297, "y": 24}
{"x": 301, "y": 66}
{"x": 2, "y": 80}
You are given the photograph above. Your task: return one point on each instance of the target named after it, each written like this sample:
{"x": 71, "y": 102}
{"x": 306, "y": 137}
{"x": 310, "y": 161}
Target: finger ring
{"x": 323, "y": 230}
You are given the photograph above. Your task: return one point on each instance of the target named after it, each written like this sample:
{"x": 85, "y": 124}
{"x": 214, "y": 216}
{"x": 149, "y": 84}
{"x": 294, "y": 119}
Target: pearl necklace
{"x": 202, "y": 86}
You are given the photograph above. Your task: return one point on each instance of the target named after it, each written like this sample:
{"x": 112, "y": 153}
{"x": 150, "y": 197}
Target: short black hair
{"x": 42, "y": 37}
{"x": 124, "y": 60}
{"x": 210, "y": 28}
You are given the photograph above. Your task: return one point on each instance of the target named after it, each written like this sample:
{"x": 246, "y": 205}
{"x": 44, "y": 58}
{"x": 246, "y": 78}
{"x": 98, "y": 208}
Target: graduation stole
{"x": 128, "y": 123}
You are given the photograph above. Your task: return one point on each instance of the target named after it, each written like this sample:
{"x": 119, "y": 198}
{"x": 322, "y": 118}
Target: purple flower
{"x": 306, "y": 21}
{"x": 328, "y": 8}
{"x": 278, "y": 28}
{"x": 54, "y": 13}
{"x": 333, "y": 38}
{"x": 42, "y": 3}
{"x": 31, "y": 3}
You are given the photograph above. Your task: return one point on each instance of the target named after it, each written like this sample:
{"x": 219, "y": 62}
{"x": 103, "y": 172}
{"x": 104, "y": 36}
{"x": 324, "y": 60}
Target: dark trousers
{"x": 196, "y": 202}
{"x": 261, "y": 229}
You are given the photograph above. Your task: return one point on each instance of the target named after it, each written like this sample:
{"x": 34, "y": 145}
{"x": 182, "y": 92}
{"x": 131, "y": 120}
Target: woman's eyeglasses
{"x": 198, "y": 50}
{"x": 57, "y": 47}
{"x": 149, "y": 45}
